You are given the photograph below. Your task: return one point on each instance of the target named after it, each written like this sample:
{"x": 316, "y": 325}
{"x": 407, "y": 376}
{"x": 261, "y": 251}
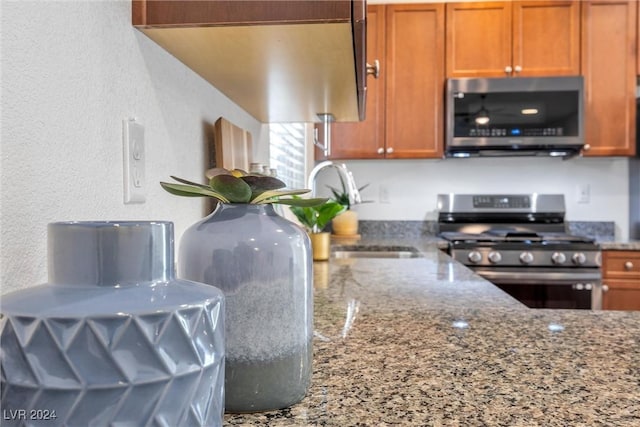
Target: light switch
{"x": 134, "y": 161}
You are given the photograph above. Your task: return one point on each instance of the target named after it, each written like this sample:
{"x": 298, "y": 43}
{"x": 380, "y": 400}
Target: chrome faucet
{"x": 345, "y": 174}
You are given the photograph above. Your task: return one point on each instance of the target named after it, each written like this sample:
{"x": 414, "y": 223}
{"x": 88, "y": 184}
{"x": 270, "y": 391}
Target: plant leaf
{"x": 238, "y": 173}
{"x": 210, "y": 173}
{"x": 191, "y": 191}
{"x": 264, "y": 196}
{"x": 327, "y": 212}
{"x": 306, "y": 216}
{"x": 234, "y": 189}
{"x": 261, "y": 183}
{"x": 184, "y": 181}
{"x": 301, "y": 202}
{"x": 316, "y": 217}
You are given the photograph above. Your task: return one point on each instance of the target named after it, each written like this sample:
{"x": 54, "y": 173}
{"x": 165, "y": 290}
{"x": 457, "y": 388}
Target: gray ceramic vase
{"x": 262, "y": 262}
{"x": 113, "y": 338}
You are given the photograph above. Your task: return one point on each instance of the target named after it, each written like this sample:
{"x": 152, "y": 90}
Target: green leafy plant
{"x": 316, "y": 218}
{"x": 238, "y": 186}
{"x": 342, "y": 195}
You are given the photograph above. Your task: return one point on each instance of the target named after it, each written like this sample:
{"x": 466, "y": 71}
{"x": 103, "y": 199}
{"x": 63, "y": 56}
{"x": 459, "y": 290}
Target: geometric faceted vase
{"x": 262, "y": 262}
{"x": 113, "y": 338}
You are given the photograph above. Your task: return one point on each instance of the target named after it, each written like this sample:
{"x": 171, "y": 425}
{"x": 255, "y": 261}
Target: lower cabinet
{"x": 621, "y": 280}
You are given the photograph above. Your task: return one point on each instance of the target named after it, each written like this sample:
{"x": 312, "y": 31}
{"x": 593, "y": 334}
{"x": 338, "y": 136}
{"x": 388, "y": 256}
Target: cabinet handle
{"x": 586, "y": 147}
{"x": 380, "y": 150}
{"x": 628, "y": 266}
{"x": 389, "y": 150}
{"x": 373, "y": 70}
{"x": 517, "y": 69}
{"x": 605, "y": 288}
{"x": 508, "y": 69}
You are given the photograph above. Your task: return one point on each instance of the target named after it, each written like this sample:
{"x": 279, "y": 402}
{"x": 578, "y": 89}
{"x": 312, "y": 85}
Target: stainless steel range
{"x": 521, "y": 244}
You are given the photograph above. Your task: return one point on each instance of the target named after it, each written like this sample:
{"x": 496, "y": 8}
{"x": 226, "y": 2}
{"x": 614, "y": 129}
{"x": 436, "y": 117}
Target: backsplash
{"x": 602, "y": 231}
{"x": 372, "y": 228}
{"x": 599, "y": 230}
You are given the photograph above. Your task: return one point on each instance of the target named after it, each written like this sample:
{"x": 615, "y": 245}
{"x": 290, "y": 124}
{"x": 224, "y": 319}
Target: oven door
{"x": 566, "y": 288}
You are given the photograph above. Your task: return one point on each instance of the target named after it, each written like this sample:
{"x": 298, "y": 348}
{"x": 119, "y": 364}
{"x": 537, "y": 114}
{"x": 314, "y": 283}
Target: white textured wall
{"x": 71, "y": 72}
{"x": 413, "y": 185}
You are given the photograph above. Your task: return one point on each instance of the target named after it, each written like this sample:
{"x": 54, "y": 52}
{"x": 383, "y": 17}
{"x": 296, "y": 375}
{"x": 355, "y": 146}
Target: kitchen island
{"x": 425, "y": 342}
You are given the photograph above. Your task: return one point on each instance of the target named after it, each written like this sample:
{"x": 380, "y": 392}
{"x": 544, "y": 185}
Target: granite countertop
{"x": 620, "y": 245}
{"x": 425, "y": 342}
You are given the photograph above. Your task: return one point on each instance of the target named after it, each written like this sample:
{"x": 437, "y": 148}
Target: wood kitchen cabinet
{"x": 360, "y": 140}
{"x": 609, "y": 67}
{"x": 621, "y": 280}
{"x": 405, "y": 104}
{"x": 519, "y": 38}
{"x": 280, "y": 60}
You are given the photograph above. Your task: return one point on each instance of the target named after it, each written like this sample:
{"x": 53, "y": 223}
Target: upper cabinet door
{"x": 361, "y": 140}
{"x": 510, "y": 39}
{"x": 405, "y": 104}
{"x": 479, "y": 39}
{"x": 609, "y": 68}
{"x": 415, "y": 80}
{"x": 546, "y": 38}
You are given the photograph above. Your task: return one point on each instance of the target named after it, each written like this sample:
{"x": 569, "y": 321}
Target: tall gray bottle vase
{"x": 262, "y": 262}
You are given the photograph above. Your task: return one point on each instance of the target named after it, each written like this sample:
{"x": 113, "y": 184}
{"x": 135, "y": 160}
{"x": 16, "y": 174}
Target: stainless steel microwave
{"x": 521, "y": 116}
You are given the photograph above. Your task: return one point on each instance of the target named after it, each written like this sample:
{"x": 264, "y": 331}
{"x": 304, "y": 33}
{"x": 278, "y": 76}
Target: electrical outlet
{"x": 583, "y": 193}
{"x": 134, "y": 160}
{"x": 384, "y": 194}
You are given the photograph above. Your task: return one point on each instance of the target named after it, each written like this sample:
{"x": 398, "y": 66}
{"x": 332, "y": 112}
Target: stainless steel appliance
{"x": 520, "y": 243}
{"x": 540, "y": 116}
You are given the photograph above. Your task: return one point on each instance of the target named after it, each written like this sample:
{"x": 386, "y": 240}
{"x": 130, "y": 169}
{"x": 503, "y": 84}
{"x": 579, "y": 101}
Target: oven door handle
{"x": 540, "y": 277}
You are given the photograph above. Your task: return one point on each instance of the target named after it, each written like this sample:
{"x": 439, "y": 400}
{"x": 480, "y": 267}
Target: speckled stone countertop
{"x": 626, "y": 245}
{"x": 425, "y": 342}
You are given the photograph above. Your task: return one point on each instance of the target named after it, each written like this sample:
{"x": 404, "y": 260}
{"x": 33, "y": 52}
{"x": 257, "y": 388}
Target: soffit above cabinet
{"x": 282, "y": 61}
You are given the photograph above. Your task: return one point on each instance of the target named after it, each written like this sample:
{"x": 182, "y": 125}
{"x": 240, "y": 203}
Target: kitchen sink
{"x": 376, "y": 252}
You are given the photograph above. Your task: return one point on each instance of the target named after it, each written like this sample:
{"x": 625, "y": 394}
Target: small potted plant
{"x": 346, "y": 223}
{"x": 315, "y": 219}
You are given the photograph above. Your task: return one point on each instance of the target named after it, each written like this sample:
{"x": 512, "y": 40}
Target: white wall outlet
{"x": 583, "y": 193}
{"x": 384, "y": 194}
{"x": 134, "y": 159}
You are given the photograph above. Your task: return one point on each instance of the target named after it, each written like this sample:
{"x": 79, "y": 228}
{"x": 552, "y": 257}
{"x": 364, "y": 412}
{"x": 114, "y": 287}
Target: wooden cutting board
{"x": 233, "y": 145}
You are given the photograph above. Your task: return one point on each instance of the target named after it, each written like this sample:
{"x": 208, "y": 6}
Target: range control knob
{"x": 558, "y": 258}
{"x": 526, "y": 257}
{"x": 475, "y": 257}
{"x": 495, "y": 257}
{"x": 579, "y": 258}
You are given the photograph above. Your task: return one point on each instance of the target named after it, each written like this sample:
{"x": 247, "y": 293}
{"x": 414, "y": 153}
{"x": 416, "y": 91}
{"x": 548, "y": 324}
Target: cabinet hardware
{"x": 605, "y": 288}
{"x": 325, "y": 146}
{"x": 389, "y": 150}
{"x": 374, "y": 70}
{"x": 628, "y": 266}
{"x": 508, "y": 69}
{"x": 380, "y": 150}
{"x": 517, "y": 69}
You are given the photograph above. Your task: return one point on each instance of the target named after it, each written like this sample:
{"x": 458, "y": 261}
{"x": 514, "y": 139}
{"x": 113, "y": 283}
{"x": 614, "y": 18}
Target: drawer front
{"x": 622, "y": 264}
{"x": 621, "y": 295}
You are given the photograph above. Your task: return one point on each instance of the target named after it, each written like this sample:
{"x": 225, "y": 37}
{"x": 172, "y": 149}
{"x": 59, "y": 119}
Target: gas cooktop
{"x": 505, "y": 236}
